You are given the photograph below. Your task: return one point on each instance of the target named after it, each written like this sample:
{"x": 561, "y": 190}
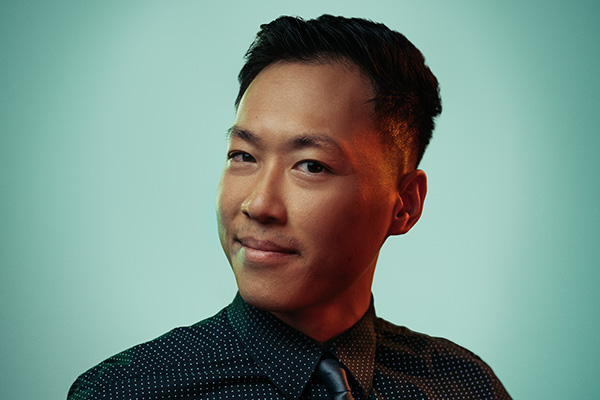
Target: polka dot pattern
{"x": 245, "y": 353}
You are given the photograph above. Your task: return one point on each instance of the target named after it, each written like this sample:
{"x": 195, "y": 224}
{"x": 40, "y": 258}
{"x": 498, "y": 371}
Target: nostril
{"x": 245, "y": 208}
{"x": 264, "y": 209}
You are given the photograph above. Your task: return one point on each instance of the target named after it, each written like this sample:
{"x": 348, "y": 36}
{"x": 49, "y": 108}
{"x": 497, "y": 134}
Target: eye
{"x": 240, "y": 156}
{"x": 312, "y": 167}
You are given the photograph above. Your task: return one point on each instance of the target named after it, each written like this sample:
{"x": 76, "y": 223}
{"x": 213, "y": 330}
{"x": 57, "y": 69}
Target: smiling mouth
{"x": 264, "y": 250}
{"x": 265, "y": 245}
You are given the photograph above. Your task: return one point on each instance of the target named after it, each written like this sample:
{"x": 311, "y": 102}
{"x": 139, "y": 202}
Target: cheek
{"x": 225, "y": 207}
{"x": 326, "y": 216}
{"x": 227, "y": 198}
{"x": 348, "y": 227}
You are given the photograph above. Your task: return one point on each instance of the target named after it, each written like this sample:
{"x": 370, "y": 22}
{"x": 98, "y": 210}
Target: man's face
{"x": 306, "y": 198}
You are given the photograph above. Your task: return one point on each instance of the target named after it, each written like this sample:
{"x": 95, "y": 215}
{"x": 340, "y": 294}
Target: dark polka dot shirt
{"x": 245, "y": 353}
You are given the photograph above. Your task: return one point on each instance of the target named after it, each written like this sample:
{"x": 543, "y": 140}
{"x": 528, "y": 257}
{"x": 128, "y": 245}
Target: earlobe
{"x": 412, "y": 188}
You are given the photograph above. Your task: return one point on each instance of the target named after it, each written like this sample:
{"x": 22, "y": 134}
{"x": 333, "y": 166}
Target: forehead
{"x": 330, "y": 99}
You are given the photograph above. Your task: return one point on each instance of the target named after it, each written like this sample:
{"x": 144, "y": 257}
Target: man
{"x": 333, "y": 117}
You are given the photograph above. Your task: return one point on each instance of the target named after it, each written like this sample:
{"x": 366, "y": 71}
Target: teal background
{"x": 112, "y": 123}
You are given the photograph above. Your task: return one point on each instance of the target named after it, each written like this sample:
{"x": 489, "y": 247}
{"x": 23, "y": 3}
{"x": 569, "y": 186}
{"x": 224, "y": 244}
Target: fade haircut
{"x": 406, "y": 92}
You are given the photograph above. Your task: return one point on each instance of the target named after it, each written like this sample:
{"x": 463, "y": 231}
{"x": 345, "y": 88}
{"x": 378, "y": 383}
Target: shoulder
{"x": 446, "y": 365}
{"x": 191, "y": 348}
{"x": 401, "y": 338}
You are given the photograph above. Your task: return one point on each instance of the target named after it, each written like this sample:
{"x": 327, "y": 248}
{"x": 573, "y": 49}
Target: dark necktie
{"x": 331, "y": 373}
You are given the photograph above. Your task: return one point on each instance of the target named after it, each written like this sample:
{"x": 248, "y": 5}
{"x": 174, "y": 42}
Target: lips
{"x": 265, "y": 252}
{"x": 251, "y": 243}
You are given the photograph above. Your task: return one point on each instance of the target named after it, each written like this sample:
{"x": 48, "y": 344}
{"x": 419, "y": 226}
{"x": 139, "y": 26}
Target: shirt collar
{"x": 355, "y": 348}
{"x": 289, "y": 357}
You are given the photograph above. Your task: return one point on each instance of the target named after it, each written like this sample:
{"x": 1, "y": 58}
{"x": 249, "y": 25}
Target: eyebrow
{"x": 236, "y": 132}
{"x": 301, "y": 141}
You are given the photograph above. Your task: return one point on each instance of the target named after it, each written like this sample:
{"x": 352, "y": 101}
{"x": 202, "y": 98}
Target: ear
{"x": 412, "y": 188}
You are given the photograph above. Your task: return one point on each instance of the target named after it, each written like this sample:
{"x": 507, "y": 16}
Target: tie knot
{"x": 333, "y": 375}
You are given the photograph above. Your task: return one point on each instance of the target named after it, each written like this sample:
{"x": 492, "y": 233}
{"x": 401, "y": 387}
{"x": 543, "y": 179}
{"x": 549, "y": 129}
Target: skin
{"x": 307, "y": 199}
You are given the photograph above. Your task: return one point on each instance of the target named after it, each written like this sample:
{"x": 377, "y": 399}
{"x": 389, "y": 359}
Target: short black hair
{"x": 407, "y": 95}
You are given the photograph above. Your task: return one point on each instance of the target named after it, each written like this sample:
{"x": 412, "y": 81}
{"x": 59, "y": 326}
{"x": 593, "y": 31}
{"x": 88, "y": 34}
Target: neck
{"x": 331, "y": 317}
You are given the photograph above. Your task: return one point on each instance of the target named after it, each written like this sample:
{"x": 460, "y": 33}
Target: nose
{"x": 265, "y": 203}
